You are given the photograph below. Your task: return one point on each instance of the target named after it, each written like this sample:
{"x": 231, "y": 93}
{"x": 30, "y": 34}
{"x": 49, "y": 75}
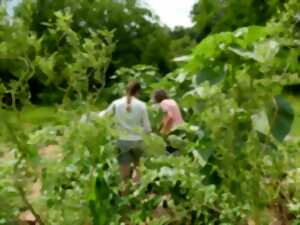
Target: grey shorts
{"x": 129, "y": 151}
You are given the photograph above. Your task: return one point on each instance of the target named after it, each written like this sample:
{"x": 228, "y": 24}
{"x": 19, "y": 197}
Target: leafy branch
{"x": 16, "y": 177}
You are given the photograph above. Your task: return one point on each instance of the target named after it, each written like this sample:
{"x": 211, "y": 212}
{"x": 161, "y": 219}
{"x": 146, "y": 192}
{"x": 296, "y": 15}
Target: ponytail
{"x": 132, "y": 89}
{"x": 128, "y": 103}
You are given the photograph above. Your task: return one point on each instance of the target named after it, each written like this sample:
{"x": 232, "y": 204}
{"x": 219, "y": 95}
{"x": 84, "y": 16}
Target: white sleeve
{"x": 145, "y": 121}
{"x": 109, "y": 111}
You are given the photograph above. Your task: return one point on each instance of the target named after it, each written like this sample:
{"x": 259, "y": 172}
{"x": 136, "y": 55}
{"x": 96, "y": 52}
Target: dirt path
{"x": 49, "y": 153}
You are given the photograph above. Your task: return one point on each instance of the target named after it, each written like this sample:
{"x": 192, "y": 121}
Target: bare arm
{"x": 166, "y": 123}
{"x": 109, "y": 111}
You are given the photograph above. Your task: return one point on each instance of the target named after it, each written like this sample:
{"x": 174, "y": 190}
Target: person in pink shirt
{"x": 172, "y": 115}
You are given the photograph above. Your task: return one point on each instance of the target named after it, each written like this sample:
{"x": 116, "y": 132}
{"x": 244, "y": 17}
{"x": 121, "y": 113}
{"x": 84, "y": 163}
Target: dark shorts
{"x": 129, "y": 151}
{"x": 171, "y": 150}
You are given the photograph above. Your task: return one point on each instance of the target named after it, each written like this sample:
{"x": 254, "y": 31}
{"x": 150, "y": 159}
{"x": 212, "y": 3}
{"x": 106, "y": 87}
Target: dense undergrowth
{"x": 237, "y": 162}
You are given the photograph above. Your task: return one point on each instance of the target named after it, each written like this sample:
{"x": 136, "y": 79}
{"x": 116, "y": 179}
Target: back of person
{"x": 172, "y": 117}
{"x": 170, "y": 107}
{"x": 133, "y": 122}
{"x": 131, "y": 119}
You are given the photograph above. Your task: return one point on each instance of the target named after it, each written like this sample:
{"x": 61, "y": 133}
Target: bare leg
{"x": 125, "y": 174}
{"x": 136, "y": 173}
{"x": 125, "y": 171}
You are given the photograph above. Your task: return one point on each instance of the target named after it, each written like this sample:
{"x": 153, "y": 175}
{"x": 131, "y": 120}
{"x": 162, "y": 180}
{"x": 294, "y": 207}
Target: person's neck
{"x": 131, "y": 96}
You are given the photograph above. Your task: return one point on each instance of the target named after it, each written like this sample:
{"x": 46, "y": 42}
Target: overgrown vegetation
{"x": 238, "y": 162}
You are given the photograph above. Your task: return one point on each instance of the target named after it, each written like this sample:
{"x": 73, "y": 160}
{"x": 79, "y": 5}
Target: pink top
{"x": 170, "y": 107}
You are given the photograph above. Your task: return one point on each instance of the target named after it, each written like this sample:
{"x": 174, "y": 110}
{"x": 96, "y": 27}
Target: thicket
{"x": 237, "y": 164}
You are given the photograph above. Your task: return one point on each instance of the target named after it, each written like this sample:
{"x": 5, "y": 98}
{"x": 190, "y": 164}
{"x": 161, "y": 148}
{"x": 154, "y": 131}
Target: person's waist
{"x": 131, "y": 129}
{"x": 131, "y": 137}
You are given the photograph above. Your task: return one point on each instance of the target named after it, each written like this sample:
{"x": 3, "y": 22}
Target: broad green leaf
{"x": 263, "y": 51}
{"x": 248, "y": 35}
{"x": 154, "y": 145}
{"x": 209, "y": 74}
{"x": 281, "y": 117}
{"x": 176, "y": 142}
{"x": 208, "y": 49}
{"x": 242, "y": 52}
{"x": 266, "y": 51}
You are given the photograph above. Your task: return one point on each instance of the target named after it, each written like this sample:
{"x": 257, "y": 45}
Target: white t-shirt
{"x": 131, "y": 124}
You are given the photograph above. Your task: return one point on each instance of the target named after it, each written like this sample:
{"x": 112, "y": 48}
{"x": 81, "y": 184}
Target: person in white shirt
{"x": 131, "y": 118}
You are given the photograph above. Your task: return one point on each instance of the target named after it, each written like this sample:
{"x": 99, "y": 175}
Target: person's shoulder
{"x": 167, "y": 101}
{"x": 118, "y": 101}
{"x": 171, "y": 101}
{"x": 140, "y": 103}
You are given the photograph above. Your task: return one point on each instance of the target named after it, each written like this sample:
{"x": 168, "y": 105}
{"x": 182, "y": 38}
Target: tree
{"x": 183, "y": 41}
{"x": 56, "y": 65}
{"x": 137, "y": 30}
{"x": 212, "y": 16}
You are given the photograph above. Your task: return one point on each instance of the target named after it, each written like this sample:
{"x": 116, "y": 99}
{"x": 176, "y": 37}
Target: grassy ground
{"x": 32, "y": 116}
{"x": 38, "y": 115}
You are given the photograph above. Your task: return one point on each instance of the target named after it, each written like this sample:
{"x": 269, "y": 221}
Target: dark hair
{"x": 133, "y": 89}
{"x": 160, "y": 95}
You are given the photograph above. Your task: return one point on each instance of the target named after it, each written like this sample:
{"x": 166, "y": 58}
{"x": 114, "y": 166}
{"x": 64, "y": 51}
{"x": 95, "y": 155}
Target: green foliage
{"x": 232, "y": 77}
{"x": 212, "y": 16}
{"x": 8, "y": 194}
{"x": 63, "y": 61}
{"x": 145, "y": 74}
{"x": 296, "y": 125}
{"x": 138, "y": 33}
{"x": 236, "y": 161}
{"x": 282, "y": 117}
